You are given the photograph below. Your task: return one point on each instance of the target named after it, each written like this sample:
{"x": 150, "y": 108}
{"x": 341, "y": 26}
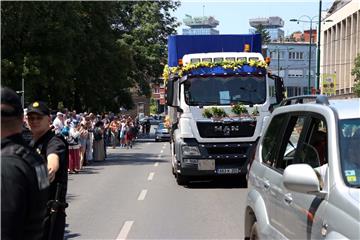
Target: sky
{"x": 234, "y": 15}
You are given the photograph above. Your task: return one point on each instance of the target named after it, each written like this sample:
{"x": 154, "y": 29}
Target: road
{"x": 133, "y": 195}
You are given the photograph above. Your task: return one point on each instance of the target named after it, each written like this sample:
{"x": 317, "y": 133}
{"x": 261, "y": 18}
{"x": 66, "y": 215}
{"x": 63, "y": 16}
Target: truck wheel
{"x": 181, "y": 180}
{"x": 254, "y": 235}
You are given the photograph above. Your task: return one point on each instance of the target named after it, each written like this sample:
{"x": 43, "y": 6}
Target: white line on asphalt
{"x": 151, "y": 176}
{"x": 164, "y": 146}
{"x": 156, "y": 164}
{"x": 161, "y": 151}
{"x": 125, "y": 230}
{"x": 142, "y": 195}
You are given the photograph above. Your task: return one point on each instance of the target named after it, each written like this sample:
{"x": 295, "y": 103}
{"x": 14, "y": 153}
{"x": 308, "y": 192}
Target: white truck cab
{"x": 211, "y": 146}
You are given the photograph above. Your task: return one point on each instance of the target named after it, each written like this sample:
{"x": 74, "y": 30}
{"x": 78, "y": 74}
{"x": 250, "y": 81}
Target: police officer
{"x": 24, "y": 178}
{"x": 54, "y": 151}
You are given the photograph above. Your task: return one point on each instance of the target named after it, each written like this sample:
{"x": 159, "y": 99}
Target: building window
{"x": 295, "y": 73}
{"x": 296, "y": 55}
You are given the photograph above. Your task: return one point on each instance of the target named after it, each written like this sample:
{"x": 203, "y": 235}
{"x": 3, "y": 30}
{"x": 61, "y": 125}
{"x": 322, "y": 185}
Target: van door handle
{"x": 266, "y": 184}
{"x": 288, "y": 199}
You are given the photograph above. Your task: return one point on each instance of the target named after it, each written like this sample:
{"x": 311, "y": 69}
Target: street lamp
{"x": 317, "y": 82}
{"x": 309, "y": 21}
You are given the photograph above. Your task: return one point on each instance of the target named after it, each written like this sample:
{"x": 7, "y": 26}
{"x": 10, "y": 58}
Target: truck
{"x": 219, "y": 95}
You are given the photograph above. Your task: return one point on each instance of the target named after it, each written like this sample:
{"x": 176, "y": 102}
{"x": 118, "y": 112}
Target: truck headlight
{"x": 191, "y": 150}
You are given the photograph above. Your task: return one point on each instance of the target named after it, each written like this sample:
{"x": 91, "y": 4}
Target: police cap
{"x": 39, "y": 108}
{"x": 10, "y": 103}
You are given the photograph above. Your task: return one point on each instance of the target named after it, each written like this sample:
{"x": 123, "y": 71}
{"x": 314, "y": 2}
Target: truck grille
{"x": 228, "y": 154}
{"x": 226, "y": 129}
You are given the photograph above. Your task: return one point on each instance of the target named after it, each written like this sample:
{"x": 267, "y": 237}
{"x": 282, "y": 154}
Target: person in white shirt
{"x": 58, "y": 123}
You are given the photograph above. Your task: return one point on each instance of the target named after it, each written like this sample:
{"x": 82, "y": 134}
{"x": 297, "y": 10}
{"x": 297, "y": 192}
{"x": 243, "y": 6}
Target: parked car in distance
{"x": 304, "y": 180}
{"x": 162, "y": 133}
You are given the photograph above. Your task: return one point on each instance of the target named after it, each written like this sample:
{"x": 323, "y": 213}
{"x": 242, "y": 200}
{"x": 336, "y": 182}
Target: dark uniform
{"x": 24, "y": 183}
{"x": 50, "y": 143}
{"x": 45, "y": 145}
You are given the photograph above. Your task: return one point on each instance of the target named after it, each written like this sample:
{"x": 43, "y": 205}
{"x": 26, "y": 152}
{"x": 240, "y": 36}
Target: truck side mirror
{"x": 171, "y": 95}
{"x": 279, "y": 87}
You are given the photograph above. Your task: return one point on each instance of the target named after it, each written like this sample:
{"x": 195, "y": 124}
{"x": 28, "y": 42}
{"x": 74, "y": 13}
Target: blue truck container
{"x": 179, "y": 45}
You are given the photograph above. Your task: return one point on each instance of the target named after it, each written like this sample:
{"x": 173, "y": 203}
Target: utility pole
{"x": 317, "y": 84}
{"x": 309, "y": 80}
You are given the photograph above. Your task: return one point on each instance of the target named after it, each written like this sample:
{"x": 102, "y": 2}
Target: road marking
{"x": 164, "y": 146}
{"x": 151, "y": 176}
{"x": 142, "y": 195}
{"x": 125, "y": 230}
{"x": 161, "y": 151}
{"x": 156, "y": 164}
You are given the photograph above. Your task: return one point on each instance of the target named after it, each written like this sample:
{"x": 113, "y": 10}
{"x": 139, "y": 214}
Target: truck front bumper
{"x": 217, "y": 159}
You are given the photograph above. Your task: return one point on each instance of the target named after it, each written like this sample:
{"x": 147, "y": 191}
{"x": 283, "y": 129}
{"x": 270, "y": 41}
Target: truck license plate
{"x": 206, "y": 164}
{"x": 228, "y": 170}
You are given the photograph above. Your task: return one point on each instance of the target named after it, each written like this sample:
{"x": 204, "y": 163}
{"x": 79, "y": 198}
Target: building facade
{"x": 290, "y": 60}
{"x": 340, "y": 44}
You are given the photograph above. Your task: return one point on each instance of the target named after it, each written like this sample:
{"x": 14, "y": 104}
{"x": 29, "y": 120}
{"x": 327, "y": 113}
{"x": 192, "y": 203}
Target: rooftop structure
{"x": 270, "y": 22}
{"x": 200, "y": 22}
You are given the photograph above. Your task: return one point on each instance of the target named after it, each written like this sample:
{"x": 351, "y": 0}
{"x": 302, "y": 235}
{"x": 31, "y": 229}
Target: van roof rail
{"x": 319, "y": 99}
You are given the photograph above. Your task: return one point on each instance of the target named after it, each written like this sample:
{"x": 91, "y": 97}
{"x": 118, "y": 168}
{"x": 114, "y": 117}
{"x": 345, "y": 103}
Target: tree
{"x": 356, "y": 72}
{"x": 265, "y": 36}
{"x": 86, "y": 55}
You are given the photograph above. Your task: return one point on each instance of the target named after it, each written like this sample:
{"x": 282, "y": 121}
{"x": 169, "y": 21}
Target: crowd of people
{"x": 39, "y": 150}
{"x": 88, "y": 135}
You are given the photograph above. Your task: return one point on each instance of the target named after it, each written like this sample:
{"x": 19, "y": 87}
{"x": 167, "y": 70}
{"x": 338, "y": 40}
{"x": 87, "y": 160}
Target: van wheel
{"x": 181, "y": 180}
{"x": 254, "y": 235}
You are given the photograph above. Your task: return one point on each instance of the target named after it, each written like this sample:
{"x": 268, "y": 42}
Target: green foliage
{"x": 356, "y": 72}
{"x": 239, "y": 109}
{"x": 214, "y": 112}
{"x": 207, "y": 113}
{"x": 265, "y": 36}
{"x": 153, "y": 107}
{"x": 86, "y": 55}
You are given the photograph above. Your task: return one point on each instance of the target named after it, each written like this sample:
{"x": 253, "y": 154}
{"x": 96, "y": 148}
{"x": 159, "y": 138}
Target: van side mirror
{"x": 303, "y": 179}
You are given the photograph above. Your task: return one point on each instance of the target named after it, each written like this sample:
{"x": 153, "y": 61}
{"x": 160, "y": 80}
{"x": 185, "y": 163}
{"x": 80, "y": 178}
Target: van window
{"x": 272, "y": 138}
{"x": 290, "y": 141}
{"x": 218, "y": 59}
{"x": 253, "y": 58}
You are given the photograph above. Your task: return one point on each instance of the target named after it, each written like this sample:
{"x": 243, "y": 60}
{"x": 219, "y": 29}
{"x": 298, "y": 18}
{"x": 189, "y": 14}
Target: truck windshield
{"x": 349, "y": 151}
{"x": 225, "y": 90}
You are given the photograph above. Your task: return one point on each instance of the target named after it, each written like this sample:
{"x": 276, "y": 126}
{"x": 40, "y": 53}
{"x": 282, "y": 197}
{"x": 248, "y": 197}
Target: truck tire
{"x": 181, "y": 180}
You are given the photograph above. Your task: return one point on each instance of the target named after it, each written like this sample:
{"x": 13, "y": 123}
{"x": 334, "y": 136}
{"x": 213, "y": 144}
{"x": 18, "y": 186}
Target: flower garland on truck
{"x": 232, "y": 65}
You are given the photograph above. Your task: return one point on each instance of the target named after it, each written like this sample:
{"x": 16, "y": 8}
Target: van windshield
{"x": 225, "y": 90}
{"x": 350, "y": 151}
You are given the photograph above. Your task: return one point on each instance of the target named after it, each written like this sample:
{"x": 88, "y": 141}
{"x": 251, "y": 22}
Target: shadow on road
{"x": 68, "y": 234}
{"x": 218, "y": 182}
